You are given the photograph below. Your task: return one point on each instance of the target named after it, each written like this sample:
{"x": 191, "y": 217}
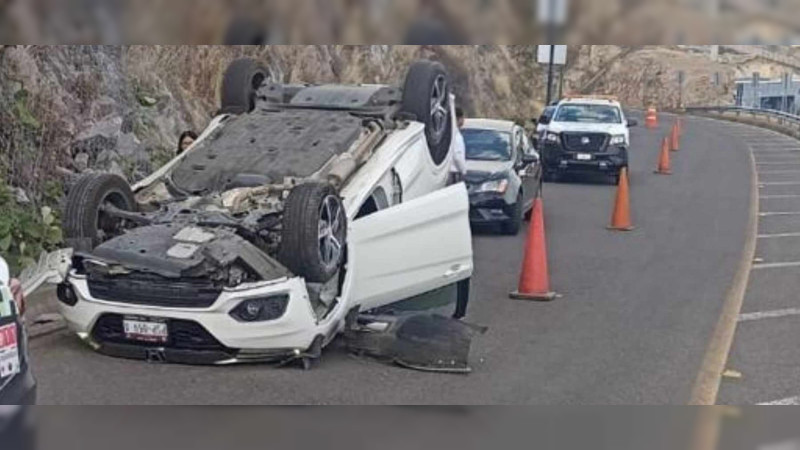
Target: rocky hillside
{"x": 68, "y": 109}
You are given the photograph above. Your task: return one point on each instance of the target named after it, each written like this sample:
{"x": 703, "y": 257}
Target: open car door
{"x": 411, "y": 248}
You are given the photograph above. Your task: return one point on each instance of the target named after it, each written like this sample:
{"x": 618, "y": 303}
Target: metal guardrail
{"x": 780, "y": 117}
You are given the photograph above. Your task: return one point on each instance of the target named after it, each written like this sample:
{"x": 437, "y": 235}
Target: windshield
{"x": 588, "y": 114}
{"x": 487, "y": 145}
{"x": 547, "y": 113}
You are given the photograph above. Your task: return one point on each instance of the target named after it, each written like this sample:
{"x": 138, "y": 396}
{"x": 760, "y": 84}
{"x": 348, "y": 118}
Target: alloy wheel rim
{"x": 330, "y": 231}
{"x": 439, "y": 112}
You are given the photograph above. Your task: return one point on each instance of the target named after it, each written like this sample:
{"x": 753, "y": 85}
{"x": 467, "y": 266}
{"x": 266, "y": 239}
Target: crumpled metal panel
{"x": 152, "y": 249}
{"x": 427, "y": 342}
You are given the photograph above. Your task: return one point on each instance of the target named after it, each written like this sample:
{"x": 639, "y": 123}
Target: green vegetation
{"x": 26, "y": 231}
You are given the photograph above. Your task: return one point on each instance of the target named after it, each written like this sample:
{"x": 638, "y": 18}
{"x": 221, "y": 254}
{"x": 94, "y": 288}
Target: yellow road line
{"x": 706, "y": 386}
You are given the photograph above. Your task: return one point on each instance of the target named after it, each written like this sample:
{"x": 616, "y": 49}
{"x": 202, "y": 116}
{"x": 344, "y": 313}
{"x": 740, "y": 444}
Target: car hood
{"x": 559, "y": 127}
{"x": 481, "y": 171}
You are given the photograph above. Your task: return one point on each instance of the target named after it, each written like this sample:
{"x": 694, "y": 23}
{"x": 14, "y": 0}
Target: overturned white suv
{"x": 301, "y": 211}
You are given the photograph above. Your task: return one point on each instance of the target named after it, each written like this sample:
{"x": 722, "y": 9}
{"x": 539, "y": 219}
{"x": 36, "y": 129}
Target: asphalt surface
{"x": 765, "y": 351}
{"x": 637, "y": 311}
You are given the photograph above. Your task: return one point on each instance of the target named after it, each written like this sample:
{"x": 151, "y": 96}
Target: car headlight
{"x": 260, "y": 309}
{"x": 551, "y": 137}
{"x": 617, "y": 140}
{"x": 498, "y": 186}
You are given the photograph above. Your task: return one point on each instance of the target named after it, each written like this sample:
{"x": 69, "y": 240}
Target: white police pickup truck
{"x": 587, "y": 134}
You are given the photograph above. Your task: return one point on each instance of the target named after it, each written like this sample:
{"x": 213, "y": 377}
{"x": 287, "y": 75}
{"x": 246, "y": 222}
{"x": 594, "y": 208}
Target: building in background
{"x": 777, "y": 94}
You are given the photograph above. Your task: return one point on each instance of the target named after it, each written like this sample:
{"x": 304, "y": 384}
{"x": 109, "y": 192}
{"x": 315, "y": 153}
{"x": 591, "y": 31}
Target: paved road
{"x": 632, "y": 327}
{"x": 766, "y": 350}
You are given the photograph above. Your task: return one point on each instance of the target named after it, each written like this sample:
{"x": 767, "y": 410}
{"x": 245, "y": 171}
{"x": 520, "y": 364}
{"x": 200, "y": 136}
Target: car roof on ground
{"x": 489, "y": 124}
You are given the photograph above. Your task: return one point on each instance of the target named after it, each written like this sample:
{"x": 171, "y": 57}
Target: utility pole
{"x": 552, "y": 14}
{"x": 550, "y": 68}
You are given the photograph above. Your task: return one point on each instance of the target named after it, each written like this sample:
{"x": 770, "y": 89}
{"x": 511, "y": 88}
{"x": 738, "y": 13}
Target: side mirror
{"x": 632, "y": 123}
{"x": 544, "y": 120}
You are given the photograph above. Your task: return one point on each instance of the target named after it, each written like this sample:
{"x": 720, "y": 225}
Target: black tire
{"x": 539, "y": 193}
{"x": 512, "y": 226}
{"x": 551, "y": 176}
{"x": 84, "y": 223}
{"x": 624, "y": 155}
{"x": 424, "y": 81}
{"x": 302, "y": 248}
{"x": 240, "y": 84}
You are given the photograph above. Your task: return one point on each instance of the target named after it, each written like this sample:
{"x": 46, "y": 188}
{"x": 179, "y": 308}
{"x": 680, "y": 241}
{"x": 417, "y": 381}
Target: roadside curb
{"x": 42, "y": 313}
{"x": 707, "y": 384}
{"x": 45, "y": 324}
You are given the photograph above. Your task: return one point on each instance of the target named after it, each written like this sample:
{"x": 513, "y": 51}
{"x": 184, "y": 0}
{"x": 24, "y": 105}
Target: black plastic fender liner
{"x": 426, "y": 342}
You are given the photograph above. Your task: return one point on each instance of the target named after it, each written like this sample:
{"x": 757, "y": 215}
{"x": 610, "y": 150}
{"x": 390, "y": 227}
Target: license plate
{"x": 9, "y": 351}
{"x": 583, "y": 157}
{"x": 145, "y": 330}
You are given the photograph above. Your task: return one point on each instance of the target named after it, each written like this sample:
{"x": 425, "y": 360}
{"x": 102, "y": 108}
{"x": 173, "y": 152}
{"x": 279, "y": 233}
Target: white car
{"x": 586, "y": 134}
{"x": 298, "y": 208}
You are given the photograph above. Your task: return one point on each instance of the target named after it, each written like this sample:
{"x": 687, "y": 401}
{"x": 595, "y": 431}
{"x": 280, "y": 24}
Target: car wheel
{"x": 85, "y": 223}
{"x": 240, "y": 84}
{"x": 313, "y": 240}
{"x": 426, "y": 95}
{"x": 512, "y": 226}
{"x": 551, "y": 176}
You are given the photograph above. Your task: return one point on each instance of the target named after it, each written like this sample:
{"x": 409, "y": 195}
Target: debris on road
{"x": 425, "y": 342}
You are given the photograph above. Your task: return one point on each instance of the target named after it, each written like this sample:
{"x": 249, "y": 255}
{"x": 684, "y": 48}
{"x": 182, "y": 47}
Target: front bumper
{"x": 200, "y": 336}
{"x": 610, "y": 160}
{"x": 488, "y": 208}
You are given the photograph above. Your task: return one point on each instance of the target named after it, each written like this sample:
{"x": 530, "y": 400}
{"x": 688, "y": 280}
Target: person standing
{"x": 458, "y": 169}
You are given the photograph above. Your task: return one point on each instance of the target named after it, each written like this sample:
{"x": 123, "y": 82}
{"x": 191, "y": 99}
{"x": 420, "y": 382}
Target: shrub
{"x": 25, "y": 230}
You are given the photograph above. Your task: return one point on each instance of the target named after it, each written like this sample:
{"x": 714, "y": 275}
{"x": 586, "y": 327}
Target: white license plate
{"x": 9, "y": 351}
{"x": 583, "y": 157}
{"x": 145, "y": 330}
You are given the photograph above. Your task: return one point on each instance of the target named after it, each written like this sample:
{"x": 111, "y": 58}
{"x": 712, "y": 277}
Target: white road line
{"x": 778, "y": 235}
{"x": 769, "y": 197}
{"x": 779, "y": 213}
{"x": 767, "y": 172}
{"x": 772, "y": 163}
{"x": 749, "y": 317}
{"x": 792, "y": 401}
{"x": 779, "y": 183}
{"x": 780, "y": 265}
{"x": 781, "y": 152}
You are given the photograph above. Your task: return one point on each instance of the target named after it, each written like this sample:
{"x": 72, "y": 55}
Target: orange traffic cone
{"x": 674, "y": 137}
{"x": 534, "y": 281}
{"x": 621, "y": 217}
{"x": 651, "y": 118}
{"x": 664, "y": 167}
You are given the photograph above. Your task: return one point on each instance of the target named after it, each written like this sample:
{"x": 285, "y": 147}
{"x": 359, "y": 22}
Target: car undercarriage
{"x": 245, "y": 227}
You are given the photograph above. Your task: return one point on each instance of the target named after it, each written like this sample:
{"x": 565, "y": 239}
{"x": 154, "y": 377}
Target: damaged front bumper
{"x": 208, "y": 335}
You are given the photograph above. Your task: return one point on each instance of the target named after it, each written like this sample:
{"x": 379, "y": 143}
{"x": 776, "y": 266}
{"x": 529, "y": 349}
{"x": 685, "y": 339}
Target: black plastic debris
{"x": 426, "y": 342}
